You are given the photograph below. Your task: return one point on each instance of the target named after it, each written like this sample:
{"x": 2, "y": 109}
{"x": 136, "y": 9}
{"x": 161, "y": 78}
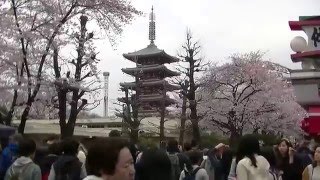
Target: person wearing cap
{"x": 214, "y": 163}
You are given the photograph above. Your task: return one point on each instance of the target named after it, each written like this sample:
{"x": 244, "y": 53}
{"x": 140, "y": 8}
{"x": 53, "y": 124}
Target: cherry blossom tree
{"x": 32, "y": 27}
{"x": 248, "y": 95}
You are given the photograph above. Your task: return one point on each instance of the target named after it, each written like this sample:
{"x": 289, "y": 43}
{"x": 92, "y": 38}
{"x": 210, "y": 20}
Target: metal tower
{"x": 106, "y": 88}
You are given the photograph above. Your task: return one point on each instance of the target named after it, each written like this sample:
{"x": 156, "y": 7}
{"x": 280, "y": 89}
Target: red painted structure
{"x": 311, "y": 25}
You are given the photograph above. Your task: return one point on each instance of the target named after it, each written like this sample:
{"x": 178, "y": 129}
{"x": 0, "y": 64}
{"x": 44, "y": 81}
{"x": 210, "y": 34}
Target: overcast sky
{"x": 222, "y": 26}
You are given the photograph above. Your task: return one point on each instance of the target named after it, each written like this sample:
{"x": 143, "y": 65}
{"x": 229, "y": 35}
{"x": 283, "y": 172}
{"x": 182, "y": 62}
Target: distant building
{"x": 100, "y": 127}
{"x": 150, "y": 73}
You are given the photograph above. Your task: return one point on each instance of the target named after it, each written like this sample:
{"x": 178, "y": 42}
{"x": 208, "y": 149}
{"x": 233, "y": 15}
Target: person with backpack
{"x": 47, "y": 161}
{"x": 312, "y": 171}
{"x": 178, "y": 160}
{"x": 9, "y": 154}
{"x": 195, "y": 172}
{"x": 68, "y": 166}
{"x": 24, "y": 168}
{"x": 154, "y": 165}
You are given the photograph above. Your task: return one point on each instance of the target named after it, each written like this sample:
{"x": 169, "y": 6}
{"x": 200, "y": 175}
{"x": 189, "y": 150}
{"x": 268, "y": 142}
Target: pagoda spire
{"x": 152, "y": 27}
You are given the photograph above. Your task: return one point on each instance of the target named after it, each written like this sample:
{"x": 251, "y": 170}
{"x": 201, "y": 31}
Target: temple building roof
{"x": 150, "y": 68}
{"x": 151, "y": 51}
{"x": 153, "y": 82}
{"x": 152, "y": 98}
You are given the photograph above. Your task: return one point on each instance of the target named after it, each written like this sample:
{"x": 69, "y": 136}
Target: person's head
{"x": 205, "y": 151}
{"x": 186, "y": 146}
{"x": 154, "y": 165}
{"x": 305, "y": 143}
{"x": 27, "y": 148}
{"x": 220, "y": 148}
{"x": 70, "y": 147}
{"x": 55, "y": 148}
{"x": 248, "y": 147}
{"x": 110, "y": 160}
{"x": 14, "y": 139}
{"x": 115, "y": 133}
{"x": 195, "y": 157}
{"x": 194, "y": 144}
{"x": 268, "y": 153}
{"x": 172, "y": 146}
{"x": 163, "y": 145}
{"x": 283, "y": 147}
{"x": 51, "y": 139}
{"x": 317, "y": 155}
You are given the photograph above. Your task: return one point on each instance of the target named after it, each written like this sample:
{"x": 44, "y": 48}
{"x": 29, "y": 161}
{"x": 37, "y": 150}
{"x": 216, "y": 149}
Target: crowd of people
{"x": 117, "y": 159}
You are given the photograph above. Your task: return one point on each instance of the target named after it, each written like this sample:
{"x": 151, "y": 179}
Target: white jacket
{"x": 92, "y": 177}
{"x": 246, "y": 171}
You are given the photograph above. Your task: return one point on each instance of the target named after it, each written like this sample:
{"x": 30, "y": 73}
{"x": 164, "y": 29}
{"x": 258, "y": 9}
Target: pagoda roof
{"x": 155, "y": 97}
{"x": 149, "y": 68}
{"x": 151, "y": 98}
{"x": 155, "y": 82}
{"x": 150, "y": 51}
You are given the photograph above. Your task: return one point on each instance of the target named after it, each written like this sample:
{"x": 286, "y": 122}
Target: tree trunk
{"x": 24, "y": 117}
{"x": 162, "y": 137}
{"x": 234, "y": 137}
{"x": 62, "y": 98}
{"x": 67, "y": 131}
{"x": 194, "y": 121}
{"x": 134, "y": 134}
{"x": 9, "y": 116}
{"x": 73, "y": 114}
{"x": 183, "y": 119}
{"x": 192, "y": 100}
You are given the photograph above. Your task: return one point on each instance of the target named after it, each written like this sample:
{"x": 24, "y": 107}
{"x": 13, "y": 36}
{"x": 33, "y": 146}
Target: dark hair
{"x": 103, "y": 156}
{"x": 269, "y": 154}
{"x": 26, "y": 147}
{"x": 187, "y": 146}
{"x": 15, "y": 138}
{"x": 133, "y": 150}
{"x": 163, "y": 144}
{"x": 288, "y": 143}
{"x": 114, "y": 133}
{"x": 52, "y": 138}
{"x": 194, "y": 143}
{"x": 154, "y": 165}
{"x": 55, "y": 148}
{"x": 172, "y": 146}
{"x": 248, "y": 147}
{"x": 195, "y": 156}
{"x": 314, "y": 163}
{"x": 282, "y": 162}
{"x": 70, "y": 146}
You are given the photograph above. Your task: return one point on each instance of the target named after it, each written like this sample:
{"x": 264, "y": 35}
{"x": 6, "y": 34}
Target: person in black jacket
{"x": 287, "y": 161}
{"x": 68, "y": 166}
{"x": 45, "y": 163}
{"x": 154, "y": 165}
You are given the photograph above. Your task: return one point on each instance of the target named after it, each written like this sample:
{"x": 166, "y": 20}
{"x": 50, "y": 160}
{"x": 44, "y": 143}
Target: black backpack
{"x": 191, "y": 175}
{"x": 70, "y": 170}
{"x": 175, "y": 166}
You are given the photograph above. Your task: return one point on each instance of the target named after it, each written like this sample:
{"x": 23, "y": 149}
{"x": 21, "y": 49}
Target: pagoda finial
{"x": 152, "y": 27}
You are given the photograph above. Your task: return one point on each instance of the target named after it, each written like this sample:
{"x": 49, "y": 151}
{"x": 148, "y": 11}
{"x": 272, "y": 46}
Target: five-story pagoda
{"x": 151, "y": 85}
